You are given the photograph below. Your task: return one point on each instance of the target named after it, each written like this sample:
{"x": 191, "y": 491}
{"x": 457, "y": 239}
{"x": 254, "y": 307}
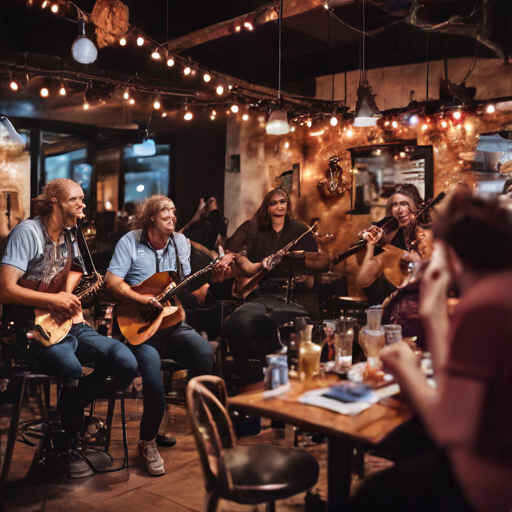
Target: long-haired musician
{"x": 40, "y": 269}
{"x": 155, "y": 247}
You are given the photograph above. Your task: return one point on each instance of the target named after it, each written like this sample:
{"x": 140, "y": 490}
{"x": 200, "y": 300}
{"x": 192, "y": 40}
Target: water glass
{"x": 343, "y": 340}
{"x": 276, "y": 373}
{"x": 393, "y": 333}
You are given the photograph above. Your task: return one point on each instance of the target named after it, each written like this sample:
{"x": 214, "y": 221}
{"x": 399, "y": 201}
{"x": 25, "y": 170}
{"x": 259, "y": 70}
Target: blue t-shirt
{"x": 135, "y": 260}
{"x": 30, "y": 248}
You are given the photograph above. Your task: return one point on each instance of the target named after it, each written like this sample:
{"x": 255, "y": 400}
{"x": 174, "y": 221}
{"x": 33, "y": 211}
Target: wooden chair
{"x": 244, "y": 474}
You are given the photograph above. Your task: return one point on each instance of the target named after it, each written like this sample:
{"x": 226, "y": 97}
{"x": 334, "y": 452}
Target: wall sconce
{"x": 334, "y": 183}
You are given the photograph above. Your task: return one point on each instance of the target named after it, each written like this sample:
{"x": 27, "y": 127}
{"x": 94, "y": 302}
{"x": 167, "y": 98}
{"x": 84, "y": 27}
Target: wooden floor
{"x": 134, "y": 490}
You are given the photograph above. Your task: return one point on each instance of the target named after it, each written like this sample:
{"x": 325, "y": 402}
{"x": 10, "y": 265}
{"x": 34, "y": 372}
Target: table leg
{"x": 339, "y": 473}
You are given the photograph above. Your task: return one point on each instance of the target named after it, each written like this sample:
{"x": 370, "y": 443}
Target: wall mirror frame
{"x": 377, "y": 169}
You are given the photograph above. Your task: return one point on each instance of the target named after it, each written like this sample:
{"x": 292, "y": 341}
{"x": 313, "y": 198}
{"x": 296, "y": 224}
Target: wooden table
{"x": 370, "y": 426}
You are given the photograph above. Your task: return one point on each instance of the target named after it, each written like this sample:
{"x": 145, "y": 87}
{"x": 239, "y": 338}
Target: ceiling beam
{"x": 258, "y": 17}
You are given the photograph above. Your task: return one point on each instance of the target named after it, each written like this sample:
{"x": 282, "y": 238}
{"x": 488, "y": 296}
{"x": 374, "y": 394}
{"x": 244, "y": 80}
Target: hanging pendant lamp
{"x": 277, "y": 123}
{"x": 367, "y": 112}
{"x": 83, "y": 49}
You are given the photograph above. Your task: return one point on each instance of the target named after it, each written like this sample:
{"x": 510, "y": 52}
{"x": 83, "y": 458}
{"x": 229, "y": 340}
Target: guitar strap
{"x": 179, "y": 267}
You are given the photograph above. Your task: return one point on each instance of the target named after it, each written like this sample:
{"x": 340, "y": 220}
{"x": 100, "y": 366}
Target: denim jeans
{"x": 83, "y": 346}
{"x": 185, "y": 346}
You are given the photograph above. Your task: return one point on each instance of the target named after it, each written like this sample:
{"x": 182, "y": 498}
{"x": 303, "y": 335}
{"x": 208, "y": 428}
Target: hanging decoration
{"x": 334, "y": 183}
{"x": 111, "y": 20}
{"x": 83, "y": 49}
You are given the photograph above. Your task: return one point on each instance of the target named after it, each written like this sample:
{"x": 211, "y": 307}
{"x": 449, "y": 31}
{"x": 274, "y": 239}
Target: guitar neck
{"x": 172, "y": 290}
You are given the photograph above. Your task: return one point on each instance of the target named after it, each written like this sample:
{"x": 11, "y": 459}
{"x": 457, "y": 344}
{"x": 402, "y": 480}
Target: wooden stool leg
{"x": 110, "y": 417}
{"x": 125, "y": 435}
{"x": 11, "y": 438}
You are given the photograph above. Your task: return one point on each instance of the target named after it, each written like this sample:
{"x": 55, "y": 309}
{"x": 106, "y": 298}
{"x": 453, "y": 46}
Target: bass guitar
{"x": 163, "y": 286}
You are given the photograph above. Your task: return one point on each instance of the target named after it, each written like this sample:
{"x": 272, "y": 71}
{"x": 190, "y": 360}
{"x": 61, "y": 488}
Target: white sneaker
{"x": 154, "y": 462}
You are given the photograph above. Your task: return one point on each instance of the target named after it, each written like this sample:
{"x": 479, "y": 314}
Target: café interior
{"x": 370, "y": 120}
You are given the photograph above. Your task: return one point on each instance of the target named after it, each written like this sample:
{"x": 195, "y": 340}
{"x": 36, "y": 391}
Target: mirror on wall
{"x": 376, "y": 170}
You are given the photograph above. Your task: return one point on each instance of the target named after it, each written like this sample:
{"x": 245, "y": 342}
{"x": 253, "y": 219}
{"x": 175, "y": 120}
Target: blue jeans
{"x": 185, "y": 346}
{"x": 83, "y": 346}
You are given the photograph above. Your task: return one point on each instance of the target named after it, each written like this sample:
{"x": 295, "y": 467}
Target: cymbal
{"x": 351, "y": 299}
{"x": 330, "y": 277}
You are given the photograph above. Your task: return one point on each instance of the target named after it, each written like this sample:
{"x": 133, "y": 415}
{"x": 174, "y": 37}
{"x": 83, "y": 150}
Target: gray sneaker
{"x": 78, "y": 468}
{"x": 154, "y": 462}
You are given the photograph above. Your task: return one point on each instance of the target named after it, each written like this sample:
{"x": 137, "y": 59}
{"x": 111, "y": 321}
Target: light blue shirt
{"x": 135, "y": 260}
{"x": 30, "y": 249}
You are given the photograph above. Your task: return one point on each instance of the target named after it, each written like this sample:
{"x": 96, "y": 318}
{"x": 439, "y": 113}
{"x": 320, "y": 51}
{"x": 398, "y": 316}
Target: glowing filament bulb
{"x": 207, "y": 77}
{"x": 122, "y": 41}
{"x": 334, "y": 121}
{"x": 245, "y": 117}
{"x": 126, "y": 95}
{"x": 456, "y": 115}
{"x": 188, "y": 116}
{"x": 55, "y": 8}
{"x": 156, "y": 105}
{"x": 13, "y": 85}
{"x": 187, "y": 71}
{"x": 132, "y": 101}
{"x": 394, "y": 124}
{"x": 490, "y": 109}
{"x": 234, "y": 108}
{"x": 220, "y": 90}
{"x": 44, "y": 92}
{"x": 140, "y": 41}
{"x": 62, "y": 90}
{"x": 86, "y": 105}
{"x": 155, "y": 55}
{"x": 170, "y": 62}
{"x": 309, "y": 123}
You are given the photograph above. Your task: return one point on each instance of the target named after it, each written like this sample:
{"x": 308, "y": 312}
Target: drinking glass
{"x": 393, "y": 333}
{"x": 344, "y": 340}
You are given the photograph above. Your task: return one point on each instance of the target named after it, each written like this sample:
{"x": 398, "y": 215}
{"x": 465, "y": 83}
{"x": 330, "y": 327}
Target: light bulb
{"x": 309, "y": 123}
{"x": 220, "y": 90}
{"x": 424, "y": 127}
{"x": 188, "y": 116}
{"x": 292, "y": 129}
{"x": 13, "y": 85}
{"x": 394, "y": 124}
{"x": 45, "y": 3}
{"x": 350, "y": 133}
{"x": 286, "y": 145}
{"x": 164, "y": 114}
{"x": 207, "y": 77}
{"x": 140, "y": 41}
{"x": 126, "y": 95}
{"x": 444, "y": 124}
{"x": 414, "y": 120}
{"x": 490, "y": 109}
{"x": 326, "y": 5}
{"x": 55, "y": 8}
{"x": 234, "y": 108}
{"x": 132, "y": 101}
{"x": 187, "y": 71}
{"x": 156, "y": 105}
{"x": 155, "y": 55}
{"x": 170, "y": 62}
{"x": 457, "y": 115}
{"x": 44, "y": 92}
{"x": 86, "y": 105}
{"x": 245, "y": 117}
{"x": 122, "y": 41}
{"x": 212, "y": 117}
{"x": 214, "y": 112}
{"x": 334, "y": 121}
{"x": 62, "y": 90}
{"x": 248, "y": 25}
{"x": 238, "y": 28}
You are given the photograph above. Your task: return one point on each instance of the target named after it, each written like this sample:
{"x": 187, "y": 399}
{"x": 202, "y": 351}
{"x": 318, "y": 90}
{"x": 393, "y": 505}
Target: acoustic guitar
{"x": 50, "y": 332}
{"x": 163, "y": 286}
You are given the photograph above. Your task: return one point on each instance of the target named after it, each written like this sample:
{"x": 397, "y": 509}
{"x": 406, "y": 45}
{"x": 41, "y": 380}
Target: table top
{"x": 370, "y": 426}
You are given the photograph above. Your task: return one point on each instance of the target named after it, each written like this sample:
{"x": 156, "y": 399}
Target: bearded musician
{"x": 40, "y": 269}
{"x": 155, "y": 247}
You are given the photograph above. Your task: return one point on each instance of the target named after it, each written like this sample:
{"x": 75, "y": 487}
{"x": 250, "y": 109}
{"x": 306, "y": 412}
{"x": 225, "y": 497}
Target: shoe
{"x": 78, "y": 468}
{"x": 154, "y": 462}
{"x": 167, "y": 441}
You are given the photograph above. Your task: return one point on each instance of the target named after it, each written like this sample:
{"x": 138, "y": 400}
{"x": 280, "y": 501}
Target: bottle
{"x": 309, "y": 355}
{"x": 372, "y": 336}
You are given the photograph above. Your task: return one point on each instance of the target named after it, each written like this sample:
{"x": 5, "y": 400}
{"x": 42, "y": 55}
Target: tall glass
{"x": 372, "y": 336}
{"x": 344, "y": 339}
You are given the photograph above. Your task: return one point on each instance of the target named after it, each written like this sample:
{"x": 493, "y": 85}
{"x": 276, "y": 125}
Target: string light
{"x": 238, "y": 28}
{"x": 155, "y": 55}
{"x": 156, "y": 105}
{"x": 350, "y": 133}
{"x": 490, "y": 109}
{"x": 444, "y": 124}
{"x": 309, "y": 123}
{"x": 13, "y": 85}
{"x": 170, "y": 62}
{"x": 424, "y": 127}
{"x": 45, "y": 3}
{"x": 62, "y": 90}
{"x": 86, "y": 105}
{"x": 245, "y": 117}
{"x": 55, "y": 8}
{"x": 164, "y": 114}
{"x": 187, "y": 71}
{"x": 414, "y": 120}
{"x": 220, "y": 90}
{"x": 334, "y": 120}
{"x": 126, "y": 95}
{"x": 132, "y": 101}
{"x": 234, "y": 108}
{"x": 122, "y": 41}
{"x": 44, "y": 92}
{"x": 188, "y": 116}
{"x": 394, "y": 124}
{"x": 140, "y": 41}
{"x": 207, "y": 77}
{"x": 457, "y": 115}
{"x": 286, "y": 145}
{"x": 248, "y": 25}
